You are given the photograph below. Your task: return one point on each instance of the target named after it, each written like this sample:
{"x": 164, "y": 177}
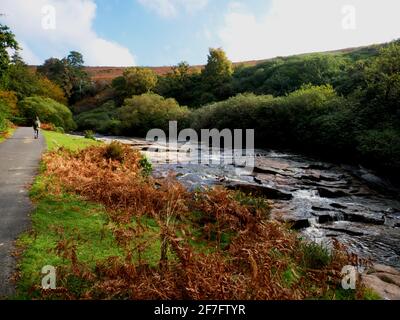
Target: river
{"x": 321, "y": 200}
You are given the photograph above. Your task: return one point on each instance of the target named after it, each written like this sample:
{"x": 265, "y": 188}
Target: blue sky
{"x": 158, "y": 39}
{"x": 165, "y": 32}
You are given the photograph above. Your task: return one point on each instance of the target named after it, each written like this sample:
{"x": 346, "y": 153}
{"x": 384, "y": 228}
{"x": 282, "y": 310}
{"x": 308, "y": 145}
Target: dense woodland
{"x": 342, "y": 106}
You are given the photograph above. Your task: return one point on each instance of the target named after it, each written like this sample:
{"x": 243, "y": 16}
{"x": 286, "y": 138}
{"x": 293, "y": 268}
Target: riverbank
{"x": 179, "y": 248}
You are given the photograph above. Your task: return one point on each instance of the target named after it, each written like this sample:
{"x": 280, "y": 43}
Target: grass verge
{"x": 56, "y": 140}
{"x": 7, "y": 134}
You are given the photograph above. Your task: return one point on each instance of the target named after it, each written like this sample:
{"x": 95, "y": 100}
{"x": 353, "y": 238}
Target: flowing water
{"x": 322, "y": 200}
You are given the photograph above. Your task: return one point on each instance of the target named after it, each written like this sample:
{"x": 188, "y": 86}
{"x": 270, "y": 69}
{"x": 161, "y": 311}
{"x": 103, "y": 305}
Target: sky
{"x": 166, "y": 32}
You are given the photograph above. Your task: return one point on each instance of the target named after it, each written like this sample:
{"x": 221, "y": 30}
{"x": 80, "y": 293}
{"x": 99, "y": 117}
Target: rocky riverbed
{"x": 321, "y": 200}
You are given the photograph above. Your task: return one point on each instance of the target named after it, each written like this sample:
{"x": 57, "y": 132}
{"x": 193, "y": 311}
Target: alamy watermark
{"x": 50, "y": 278}
{"x": 211, "y": 146}
{"x": 49, "y": 19}
{"x": 349, "y": 20}
{"x": 350, "y": 276}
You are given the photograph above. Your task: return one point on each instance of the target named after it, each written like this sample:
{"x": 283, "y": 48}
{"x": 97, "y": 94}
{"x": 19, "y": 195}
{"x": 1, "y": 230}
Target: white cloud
{"x": 293, "y": 26}
{"x": 74, "y": 31}
{"x": 171, "y": 8}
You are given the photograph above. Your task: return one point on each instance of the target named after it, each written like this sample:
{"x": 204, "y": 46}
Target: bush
{"x": 114, "y": 151}
{"x": 150, "y": 111}
{"x": 48, "y": 111}
{"x": 3, "y": 123}
{"x": 381, "y": 148}
{"x": 237, "y": 112}
{"x": 89, "y": 134}
{"x": 147, "y": 167}
{"x": 103, "y": 119}
{"x": 288, "y": 121}
{"x": 315, "y": 256}
{"x": 9, "y": 100}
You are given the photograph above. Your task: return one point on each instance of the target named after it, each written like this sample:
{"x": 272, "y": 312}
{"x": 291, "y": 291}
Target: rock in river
{"x": 331, "y": 193}
{"x": 260, "y": 190}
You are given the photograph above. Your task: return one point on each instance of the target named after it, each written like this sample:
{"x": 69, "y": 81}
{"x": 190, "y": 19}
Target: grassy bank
{"x": 60, "y": 216}
{"x": 7, "y": 134}
{"x": 57, "y": 140}
{"x": 114, "y": 233}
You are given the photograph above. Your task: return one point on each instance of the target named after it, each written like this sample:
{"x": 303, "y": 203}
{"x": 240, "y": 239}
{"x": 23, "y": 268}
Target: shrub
{"x": 149, "y": 111}
{"x": 102, "y": 119}
{"x": 48, "y": 127}
{"x": 59, "y": 130}
{"x": 381, "y": 148}
{"x": 3, "y": 123}
{"x": 147, "y": 167}
{"x": 315, "y": 256}
{"x": 284, "y": 121}
{"x": 9, "y": 100}
{"x": 89, "y": 134}
{"x": 49, "y": 111}
{"x": 236, "y": 112}
{"x": 114, "y": 151}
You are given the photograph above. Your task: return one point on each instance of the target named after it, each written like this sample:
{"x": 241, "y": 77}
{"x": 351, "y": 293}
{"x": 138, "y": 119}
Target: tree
{"x": 183, "y": 83}
{"x": 383, "y": 79}
{"x": 16, "y": 58}
{"x": 51, "y": 90}
{"x": 26, "y": 83}
{"x": 57, "y": 71}
{"x": 22, "y": 80}
{"x": 9, "y": 100}
{"x": 135, "y": 81}
{"x": 149, "y": 111}
{"x": 217, "y": 76}
{"x": 48, "y": 111}
{"x": 69, "y": 74}
{"x": 7, "y": 41}
{"x": 75, "y": 59}
{"x": 218, "y": 69}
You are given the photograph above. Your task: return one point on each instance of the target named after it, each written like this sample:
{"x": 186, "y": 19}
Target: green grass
{"x": 69, "y": 217}
{"x": 370, "y": 294}
{"x": 58, "y": 218}
{"x": 56, "y": 140}
{"x": 316, "y": 256}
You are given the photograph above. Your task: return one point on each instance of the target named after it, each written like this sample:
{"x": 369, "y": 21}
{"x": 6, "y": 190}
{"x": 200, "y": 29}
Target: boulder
{"x": 385, "y": 290}
{"x": 324, "y": 217}
{"x": 389, "y": 278}
{"x": 382, "y": 268}
{"x": 364, "y": 218}
{"x": 347, "y": 230}
{"x": 331, "y": 193}
{"x": 297, "y": 223}
{"x": 320, "y": 166}
{"x": 338, "y": 206}
{"x": 267, "y": 171}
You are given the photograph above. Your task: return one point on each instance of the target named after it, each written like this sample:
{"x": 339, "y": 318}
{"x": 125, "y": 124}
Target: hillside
{"x": 109, "y": 73}
{"x": 105, "y": 73}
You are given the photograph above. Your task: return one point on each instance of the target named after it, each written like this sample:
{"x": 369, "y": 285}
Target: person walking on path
{"x": 36, "y": 127}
